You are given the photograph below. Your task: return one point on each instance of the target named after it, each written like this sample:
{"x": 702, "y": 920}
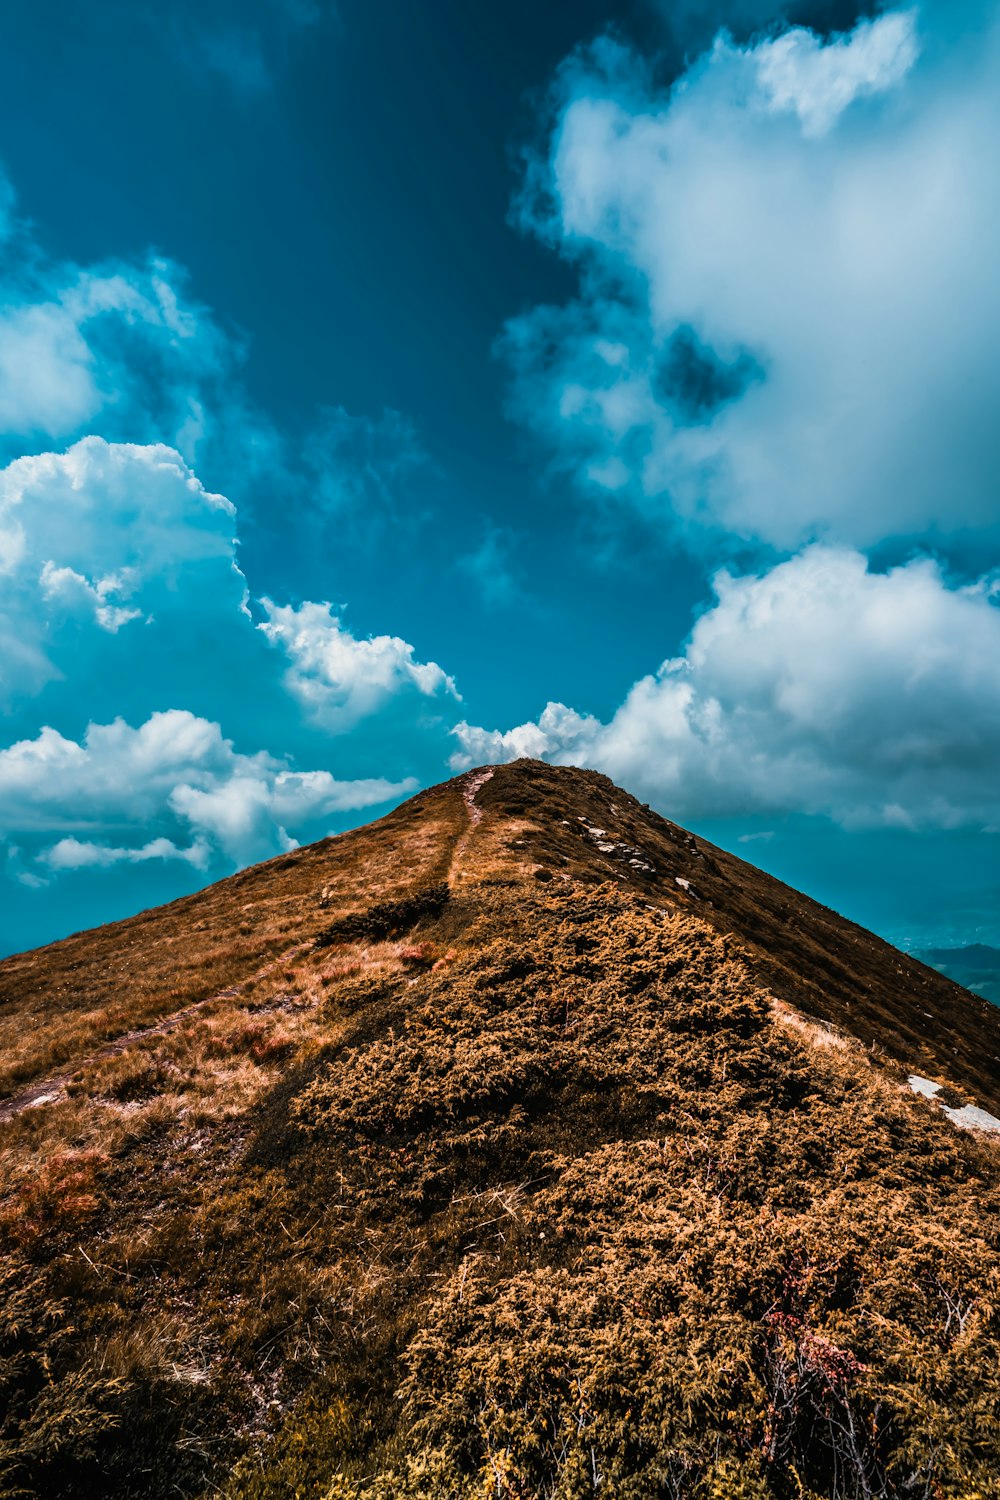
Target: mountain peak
{"x": 521, "y": 1143}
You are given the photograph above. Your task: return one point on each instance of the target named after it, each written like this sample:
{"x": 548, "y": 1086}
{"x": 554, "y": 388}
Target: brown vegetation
{"x": 501, "y": 1186}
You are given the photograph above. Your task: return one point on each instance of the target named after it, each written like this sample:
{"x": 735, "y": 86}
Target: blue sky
{"x": 390, "y": 388}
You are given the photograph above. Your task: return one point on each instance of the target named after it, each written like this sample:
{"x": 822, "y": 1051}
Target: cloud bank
{"x": 817, "y": 687}
{"x": 340, "y": 679}
{"x": 788, "y": 303}
{"x": 784, "y": 337}
{"x": 110, "y": 535}
{"x": 175, "y": 770}
{"x": 121, "y": 581}
{"x": 127, "y": 632}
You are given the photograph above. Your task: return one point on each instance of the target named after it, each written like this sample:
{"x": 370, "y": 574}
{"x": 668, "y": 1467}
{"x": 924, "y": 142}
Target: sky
{"x": 388, "y": 389}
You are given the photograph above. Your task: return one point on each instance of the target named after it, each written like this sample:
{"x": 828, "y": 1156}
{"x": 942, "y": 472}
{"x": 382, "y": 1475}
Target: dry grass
{"x": 492, "y": 1190}
{"x": 62, "y": 1002}
{"x": 806, "y": 955}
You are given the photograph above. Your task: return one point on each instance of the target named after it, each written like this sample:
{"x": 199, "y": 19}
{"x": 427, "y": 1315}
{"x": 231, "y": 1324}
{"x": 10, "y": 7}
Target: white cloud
{"x": 789, "y": 306}
{"x": 558, "y": 728}
{"x": 340, "y": 679}
{"x": 137, "y": 510}
{"x": 118, "y": 344}
{"x": 120, "y": 578}
{"x": 77, "y": 854}
{"x": 817, "y": 81}
{"x": 125, "y": 538}
{"x": 110, "y": 534}
{"x": 175, "y": 770}
{"x": 71, "y": 589}
{"x": 818, "y": 687}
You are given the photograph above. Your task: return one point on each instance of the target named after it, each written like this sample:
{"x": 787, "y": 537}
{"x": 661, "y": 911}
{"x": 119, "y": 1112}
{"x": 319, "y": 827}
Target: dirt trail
{"x": 471, "y": 785}
{"x": 50, "y": 1090}
{"x": 474, "y": 782}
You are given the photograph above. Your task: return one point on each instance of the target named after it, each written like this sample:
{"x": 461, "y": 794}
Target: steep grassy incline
{"x": 60, "y": 1003}
{"x": 539, "y": 1152}
{"x": 818, "y": 961}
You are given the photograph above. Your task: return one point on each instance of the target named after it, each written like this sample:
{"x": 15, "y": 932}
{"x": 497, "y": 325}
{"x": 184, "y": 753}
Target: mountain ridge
{"x": 521, "y": 1144}
{"x": 756, "y": 914}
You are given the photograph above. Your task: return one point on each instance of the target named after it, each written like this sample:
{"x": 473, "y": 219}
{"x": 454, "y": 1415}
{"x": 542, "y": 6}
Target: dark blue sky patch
{"x": 693, "y": 382}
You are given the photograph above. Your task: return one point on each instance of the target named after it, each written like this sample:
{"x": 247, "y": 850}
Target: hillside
{"x": 519, "y": 1144}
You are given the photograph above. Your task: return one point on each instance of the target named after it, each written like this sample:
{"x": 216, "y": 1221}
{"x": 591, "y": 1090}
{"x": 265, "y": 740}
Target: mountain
{"x": 976, "y": 966}
{"x": 519, "y": 1144}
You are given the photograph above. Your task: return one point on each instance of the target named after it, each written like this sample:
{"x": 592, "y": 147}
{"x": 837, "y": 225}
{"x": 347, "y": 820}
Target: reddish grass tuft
{"x": 62, "y": 1193}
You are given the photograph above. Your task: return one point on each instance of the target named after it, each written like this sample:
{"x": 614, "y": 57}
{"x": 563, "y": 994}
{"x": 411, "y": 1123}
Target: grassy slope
{"x": 60, "y": 1002}
{"x": 502, "y": 1195}
{"x": 826, "y": 966}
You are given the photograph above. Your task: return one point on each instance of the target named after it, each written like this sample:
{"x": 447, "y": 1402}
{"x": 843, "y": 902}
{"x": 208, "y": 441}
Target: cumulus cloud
{"x": 336, "y": 677}
{"x": 788, "y": 305}
{"x": 110, "y": 534}
{"x": 126, "y": 511}
{"x": 818, "y": 687}
{"x": 176, "y": 771}
{"x": 116, "y": 538}
{"x": 119, "y": 547}
{"x": 80, "y": 854}
{"x": 119, "y": 344}
{"x": 559, "y": 730}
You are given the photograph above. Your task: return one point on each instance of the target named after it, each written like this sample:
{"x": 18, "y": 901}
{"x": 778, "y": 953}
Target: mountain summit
{"x": 519, "y": 1144}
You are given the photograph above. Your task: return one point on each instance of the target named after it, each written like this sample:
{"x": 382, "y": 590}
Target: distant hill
{"x": 519, "y": 1144}
{"x": 976, "y": 966}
